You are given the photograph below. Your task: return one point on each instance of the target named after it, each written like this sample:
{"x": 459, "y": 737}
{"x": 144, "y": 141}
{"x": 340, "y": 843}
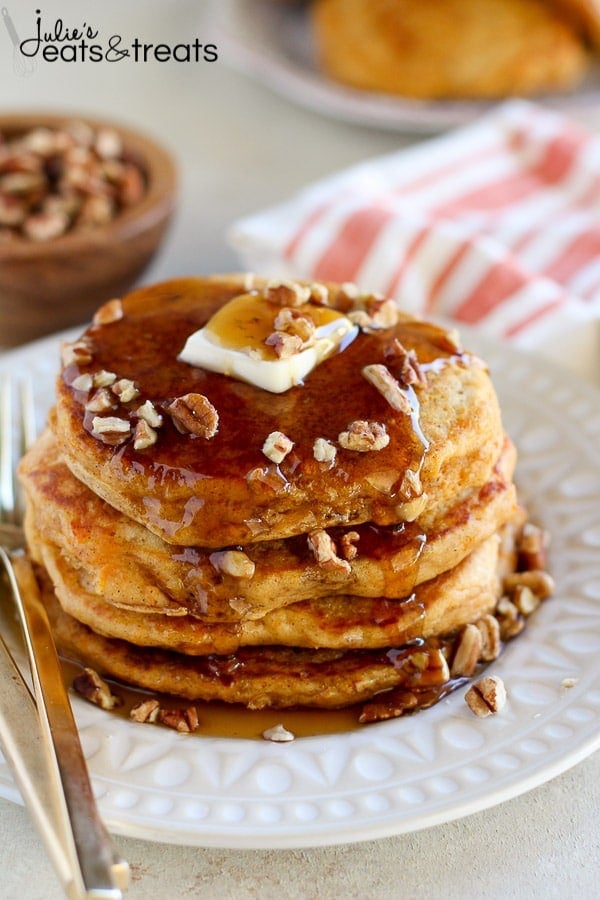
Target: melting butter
{"x": 233, "y": 343}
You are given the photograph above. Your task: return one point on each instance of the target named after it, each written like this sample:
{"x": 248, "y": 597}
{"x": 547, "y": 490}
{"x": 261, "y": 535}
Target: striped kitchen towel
{"x": 496, "y": 224}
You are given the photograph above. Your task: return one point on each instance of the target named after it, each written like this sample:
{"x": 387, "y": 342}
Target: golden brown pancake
{"x": 437, "y": 607}
{"x": 448, "y": 48}
{"x": 223, "y": 491}
{"x": 134, "y": 569}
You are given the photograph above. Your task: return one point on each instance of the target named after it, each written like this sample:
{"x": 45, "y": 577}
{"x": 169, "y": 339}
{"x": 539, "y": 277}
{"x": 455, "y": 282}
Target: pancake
{"x": 431, "y": 49}
{"x": 440, "y": 606}
{"x": 223, "y": 491}
{"x": 132, "y": 568}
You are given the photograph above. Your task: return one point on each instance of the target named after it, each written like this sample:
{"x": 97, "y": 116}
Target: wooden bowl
{"x": 50, "y": 285}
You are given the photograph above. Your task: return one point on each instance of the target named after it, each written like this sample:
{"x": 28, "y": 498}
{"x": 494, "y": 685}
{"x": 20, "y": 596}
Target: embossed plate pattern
{"x": 409, "y": 773}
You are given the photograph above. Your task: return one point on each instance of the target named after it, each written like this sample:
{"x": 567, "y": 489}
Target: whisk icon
{"x": 21, "y": 64}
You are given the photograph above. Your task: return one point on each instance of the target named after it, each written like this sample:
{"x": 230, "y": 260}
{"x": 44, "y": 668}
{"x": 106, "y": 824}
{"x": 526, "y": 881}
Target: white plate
{"x": 271, "y": 42}
{"x": 409, "y": 773}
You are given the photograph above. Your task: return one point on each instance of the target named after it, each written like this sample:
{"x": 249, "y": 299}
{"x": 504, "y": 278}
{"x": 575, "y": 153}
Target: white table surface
{"x": 241, "y": 148}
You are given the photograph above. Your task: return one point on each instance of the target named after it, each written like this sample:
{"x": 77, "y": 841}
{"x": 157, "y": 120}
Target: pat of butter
{"x": 233, "y": 343}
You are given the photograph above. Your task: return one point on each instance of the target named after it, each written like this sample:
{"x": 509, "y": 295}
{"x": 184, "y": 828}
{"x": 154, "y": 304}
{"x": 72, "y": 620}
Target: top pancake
{"x": 224, "y": 491}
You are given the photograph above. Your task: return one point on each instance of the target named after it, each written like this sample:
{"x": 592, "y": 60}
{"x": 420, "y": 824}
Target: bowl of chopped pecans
{"x": 84, "y": 206}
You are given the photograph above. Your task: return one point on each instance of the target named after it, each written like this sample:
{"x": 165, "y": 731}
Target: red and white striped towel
{"x": 496, "y": 225}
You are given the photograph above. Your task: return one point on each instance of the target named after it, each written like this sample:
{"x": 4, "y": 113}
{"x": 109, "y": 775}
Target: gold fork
{"x": 38, "y": 733}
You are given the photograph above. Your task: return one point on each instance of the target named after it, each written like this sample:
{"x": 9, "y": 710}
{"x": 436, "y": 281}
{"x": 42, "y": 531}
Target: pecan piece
{"x": 145, "y": 711}
{"x": 291, "y": 321}
{"x": 148, "y": 412}
{"x": 348, "y": 547}
{"x": 410, "y": 370}
{"x": 467, "y": 652}
{"x": 279, "y": 734}
{"x": 45, "y": 226}
{"x": 490, "y": 637}
{"x": 103, "y": 378}
{"x": 233, "y": 562}
{"x": 324, "y": 450}
{"x": 95, "y": 689}
{"x": 144, "y": 435}
{"x": 539, "y": 582}
{"x": 284, "y": 344}
{"x": 111, "y": 429}
{"x": 382, "y": 379}
{"x": 125, "y": 390}
{"x": 276, "y": 447}
{"x": 77, "y": 353}
{"x": 194, "y": 414}
{"x": 111, "y": 311}
{"x": 532, "y": 547}
{"x": 325, "y": 553}
{"x": 101, "y": 401}
{"x": 182, "y": 720}
{"x": 364, "y": 436}
{"x": 487, "y": 696}
{"x": 286, "y": 293}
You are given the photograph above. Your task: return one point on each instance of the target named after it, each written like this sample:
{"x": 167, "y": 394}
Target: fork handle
{"x": 24, "y": 751}
{"x": 97, "y": 867}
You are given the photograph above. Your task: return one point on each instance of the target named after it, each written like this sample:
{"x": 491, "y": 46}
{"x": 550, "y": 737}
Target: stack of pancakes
{"x": 192, "y": 560}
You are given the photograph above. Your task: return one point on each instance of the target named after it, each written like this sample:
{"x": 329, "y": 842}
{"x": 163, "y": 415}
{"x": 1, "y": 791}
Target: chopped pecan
{"x": 111, "y": 429}
{"x": 285, "y": 345}
{"x": 145, "y": 711}
{"x": 467, "y": 652}
{"x": 410, "y": 486}
{"x": 348, "y": 547}
{"x": 111, "y": 311}
{"x": 45, "y": 226}
{"x": 103, "y": 378}
{"x": 83, "y": 382}
{"x": 382, "y": 379}
{"x": 194, "y": 414}
{"x": 95, "y": 689}
{"x": 324, "y": 450}
{"x": 286, "y": 293}
{"x": 77, "y": 353}
{"x": 144, "y": 435}
{"x": 184, "y": 720}
{"x": 125, "y": 389}
{"x": 324, "y": 550}
{"x": 233, "y": 562}
{"x": 510, "y": 620}
{"x": 525, "y": 600}
{"x": 532, "y": 546}
{"x": 277, "y": 446}
{"x": 319, "y": 294}
{"x": 364, "y": 436}
{"x": 101, "y": 401}
{"x": 489, "y": 629}
{"x": 279, "y": 734}
{"x": 291, "y": 321}
{"x": 487, "y": 696}
{"x": 148, "y": 412}
{"x": 539, "y": 582}
{"x": 410, "y": 371}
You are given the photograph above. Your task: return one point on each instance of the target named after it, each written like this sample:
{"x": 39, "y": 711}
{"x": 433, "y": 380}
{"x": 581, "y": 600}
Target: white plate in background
{"x": 271, "y": 42}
